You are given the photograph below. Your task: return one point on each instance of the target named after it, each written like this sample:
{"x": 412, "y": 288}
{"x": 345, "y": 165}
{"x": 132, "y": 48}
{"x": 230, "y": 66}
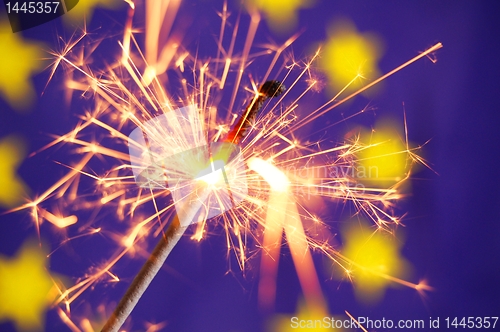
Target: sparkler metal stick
{"x": 145, "y": 275}
{"x": 267, "y": 90}
{"x": 176, "y": 229}
{"x": 149, "y": 270}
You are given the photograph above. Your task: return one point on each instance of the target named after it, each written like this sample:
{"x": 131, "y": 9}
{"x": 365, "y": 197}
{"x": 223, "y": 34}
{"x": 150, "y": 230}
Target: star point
{"x": 19, "y": 60}
{"x": 281, "y": 14}
{"x": 25, "y": 288}
{"x": 384, "y": 159}
{"x": 349, "y": 57}
{"x": 12, "y": 188}
{"x": 375, "y": 259}
{"x": 84, "y": 10}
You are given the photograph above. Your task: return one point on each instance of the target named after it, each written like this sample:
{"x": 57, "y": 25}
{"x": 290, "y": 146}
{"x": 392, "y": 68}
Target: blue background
{"x": 453, "y": 221}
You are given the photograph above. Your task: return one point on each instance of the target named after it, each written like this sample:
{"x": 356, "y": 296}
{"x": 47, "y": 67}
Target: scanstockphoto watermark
{"x": 359, "y": 323}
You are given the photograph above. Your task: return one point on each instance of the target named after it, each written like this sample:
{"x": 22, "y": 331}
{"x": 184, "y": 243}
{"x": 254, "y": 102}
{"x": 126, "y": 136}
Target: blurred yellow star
{"x": 25, "y": 288}
{"x": 384, "y": 159}
{"x": 350, "y": 57}
{"x": 308, "y": 319}
{"x": 374, "y": 258}
{"x": 85, "y": 8}
{"x": 281, "y": 14}
{"x": 19, "y": 60}
{"x": 12, "y": 188}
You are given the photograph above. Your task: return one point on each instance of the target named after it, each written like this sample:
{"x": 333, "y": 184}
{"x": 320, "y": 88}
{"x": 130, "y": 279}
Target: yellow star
{"x": 375, "y": 259}
{"x": 25, "y": 288}
{"x": 19, "y": 60}
{"x": 307, "y": 319}
{"x": 85, "y": 8}
{"x": 349, "y": 57}
{"x": 384, "y": 159}
{"x": 281, "y": 14}
{"x": 12, "y": 188}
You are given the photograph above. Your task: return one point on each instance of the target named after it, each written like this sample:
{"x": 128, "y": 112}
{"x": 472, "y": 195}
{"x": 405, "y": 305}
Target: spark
{"x": 355, "y": 320}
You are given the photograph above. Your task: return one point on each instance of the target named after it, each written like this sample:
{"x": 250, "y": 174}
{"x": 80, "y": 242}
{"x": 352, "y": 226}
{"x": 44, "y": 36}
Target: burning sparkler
{"x": 184, "y": 149}
{"x": 190, "y": 205}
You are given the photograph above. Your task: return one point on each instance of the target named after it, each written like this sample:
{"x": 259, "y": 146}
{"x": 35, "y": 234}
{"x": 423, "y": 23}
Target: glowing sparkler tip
{"x": 215, "y": 175}
{"x": 272, "y": 88}
{"x": 276, "y": 178}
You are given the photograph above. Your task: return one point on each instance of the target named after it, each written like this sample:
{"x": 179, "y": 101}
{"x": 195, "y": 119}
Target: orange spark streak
{"x": 314, "y": 115}
{"x": 93, "y": 148}
{"x": 302, "y": 258}
{"x": 91, "y": 232}
{"x": 130, "y": 240}
{"x": 60, "y": 222}
{"x": 115, "y": 278}
{"x": 127, "y": 32}
{"x": 278, "y": 53}
{"x": 66, "y": 320}
{"x": 354, "y": 319}
{"x": 288, "y": 220}
{"x": 252, "y": 30}
{"x": 112, "y": 196}
{"x": 81, "y": 286}
{"x": 224, "y": 73}
{"x": 55, "y": 186}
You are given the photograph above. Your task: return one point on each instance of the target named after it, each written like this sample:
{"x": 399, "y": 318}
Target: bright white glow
{"x": 213, "y": 173}
{"x": 170, "y": 152}
{"x": 276, "y": 178}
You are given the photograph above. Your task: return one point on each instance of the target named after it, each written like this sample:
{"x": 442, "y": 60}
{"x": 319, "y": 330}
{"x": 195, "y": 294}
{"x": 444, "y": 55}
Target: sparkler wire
{"x": 175, "y": 230}
{"x": 267, "y": 90}
{"x": 148, "y": 271}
